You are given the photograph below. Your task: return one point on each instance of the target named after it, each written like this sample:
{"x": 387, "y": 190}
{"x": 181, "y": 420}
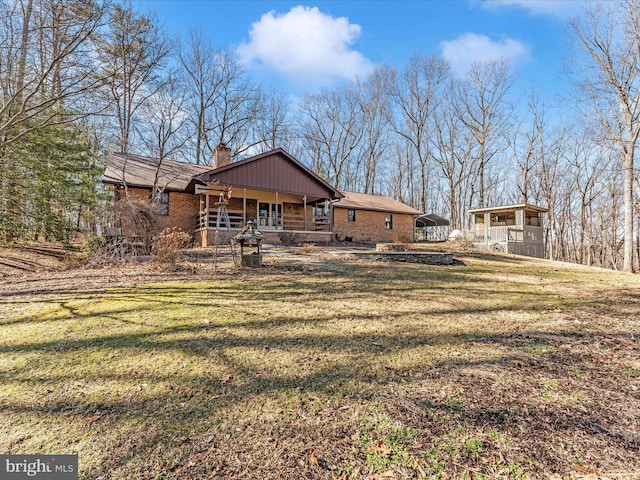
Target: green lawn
{"x": 495, "y": 367}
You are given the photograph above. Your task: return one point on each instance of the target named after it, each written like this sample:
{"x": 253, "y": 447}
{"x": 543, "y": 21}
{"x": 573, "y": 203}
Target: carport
{"x": 431, "y": 228}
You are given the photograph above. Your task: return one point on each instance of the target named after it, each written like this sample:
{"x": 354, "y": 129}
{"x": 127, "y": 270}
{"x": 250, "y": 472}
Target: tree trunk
{"x": 628, "y": 210}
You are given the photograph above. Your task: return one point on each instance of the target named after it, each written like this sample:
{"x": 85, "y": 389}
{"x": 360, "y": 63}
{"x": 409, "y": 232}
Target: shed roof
{"x": 432, "y": 220}
{"x": 520, "y": 206}
{"x": 364, "y": 201}
{"x": 139, "y": 171}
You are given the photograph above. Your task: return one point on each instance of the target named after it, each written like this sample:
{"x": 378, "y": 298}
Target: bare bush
{"x": 129, "y": 226}
{"x": 168, "y": 244}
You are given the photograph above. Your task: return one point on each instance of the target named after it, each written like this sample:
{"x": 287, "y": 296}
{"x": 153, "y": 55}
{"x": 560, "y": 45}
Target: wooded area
{"x": 80, "y": 79}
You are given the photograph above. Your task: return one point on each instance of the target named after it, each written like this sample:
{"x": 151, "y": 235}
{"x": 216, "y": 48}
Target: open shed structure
{"x": 431, "y": 228}
{"x": 510, "y": 229}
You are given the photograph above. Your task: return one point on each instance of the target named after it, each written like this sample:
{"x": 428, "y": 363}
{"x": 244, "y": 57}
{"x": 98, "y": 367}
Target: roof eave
{"x": 525, "y": 206}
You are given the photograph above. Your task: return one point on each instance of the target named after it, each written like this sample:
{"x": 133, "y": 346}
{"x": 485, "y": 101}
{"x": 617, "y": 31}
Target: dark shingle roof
{"x": 139, "y": 171}
{"x": 364, "y": 201}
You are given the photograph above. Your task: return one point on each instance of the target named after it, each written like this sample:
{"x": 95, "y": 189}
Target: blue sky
{"x": 302, "y": 46}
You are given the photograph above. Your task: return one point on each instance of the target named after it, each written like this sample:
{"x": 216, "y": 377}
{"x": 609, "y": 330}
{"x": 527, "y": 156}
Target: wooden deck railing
{"x": 511, "y": 234}
{"x": 210, "y": 219}
{"x": 284, "y": 222}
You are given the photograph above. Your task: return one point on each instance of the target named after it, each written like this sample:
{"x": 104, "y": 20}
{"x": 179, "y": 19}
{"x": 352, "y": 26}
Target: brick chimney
{"x": 221, "y": 156}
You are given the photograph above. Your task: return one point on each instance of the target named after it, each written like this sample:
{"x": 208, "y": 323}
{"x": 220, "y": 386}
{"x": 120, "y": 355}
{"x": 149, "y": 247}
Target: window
{"x": 351, "y": 216}
{"x": 161, "y": 203}
{"x": 388, "y": 222}
{"x": 319, "y": 211}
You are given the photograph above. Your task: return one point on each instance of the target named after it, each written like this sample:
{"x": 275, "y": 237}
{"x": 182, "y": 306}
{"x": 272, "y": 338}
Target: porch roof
{"x": 431, "y": 220}
{"x": 504, "y": 208}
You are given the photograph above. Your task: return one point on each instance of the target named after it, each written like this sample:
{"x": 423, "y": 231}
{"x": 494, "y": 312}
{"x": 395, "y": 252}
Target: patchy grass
{"x": 497, "y": 367}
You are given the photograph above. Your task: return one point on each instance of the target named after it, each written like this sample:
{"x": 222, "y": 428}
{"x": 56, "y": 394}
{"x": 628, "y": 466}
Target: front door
{"x": 269, "y": 215}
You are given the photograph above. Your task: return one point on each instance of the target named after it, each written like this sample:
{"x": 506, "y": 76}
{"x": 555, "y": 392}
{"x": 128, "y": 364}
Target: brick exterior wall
{"x": 370, "y": 226}
{"x": 183, "y": 209}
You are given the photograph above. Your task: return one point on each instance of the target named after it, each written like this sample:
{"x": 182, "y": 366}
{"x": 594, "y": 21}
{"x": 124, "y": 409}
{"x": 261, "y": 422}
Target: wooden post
{"x": 244, "y": 207}
{"x": 205, "y": 235}
{"x": 304, "y": 202}
{"x": 487, "y": 223}
{"x": 206, "y": 211}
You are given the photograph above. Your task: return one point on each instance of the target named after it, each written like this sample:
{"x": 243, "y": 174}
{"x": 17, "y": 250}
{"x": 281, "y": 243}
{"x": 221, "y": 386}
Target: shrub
{"x": 94, "y": 244}
{"x": 168, "y": 244}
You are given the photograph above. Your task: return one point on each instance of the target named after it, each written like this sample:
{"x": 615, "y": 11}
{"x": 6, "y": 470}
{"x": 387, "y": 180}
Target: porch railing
{"x": 209, "y": 219}
{"x": 511, "y": 234}
{"x": 282, "y": 222}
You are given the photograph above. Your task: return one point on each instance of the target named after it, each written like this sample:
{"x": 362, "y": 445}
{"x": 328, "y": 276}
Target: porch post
{"x": 206, "y": 210}
{"x": 276, "y": 219}
{"x": 304, "y": 202}
{"x": 205, "y": 231}
{"x": 487, "y": 221}
{"x": 330, "y": 212}
{"x": 244, "y": 206}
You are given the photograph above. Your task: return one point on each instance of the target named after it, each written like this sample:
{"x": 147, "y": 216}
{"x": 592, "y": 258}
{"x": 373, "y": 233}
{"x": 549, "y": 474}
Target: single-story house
{"x": 286, "y": 200}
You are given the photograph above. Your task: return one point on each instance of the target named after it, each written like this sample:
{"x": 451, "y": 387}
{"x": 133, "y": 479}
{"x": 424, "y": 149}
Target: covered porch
{"x": 510, "y": 229}
{"x": 286, "y": 200}
{"x": 279, "y": 216}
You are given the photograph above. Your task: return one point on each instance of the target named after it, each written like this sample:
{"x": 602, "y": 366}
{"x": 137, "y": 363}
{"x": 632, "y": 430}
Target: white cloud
{"x": 305, "y": 45}
{"x": 557, "y": 8}
{"x": 469, "y": 48}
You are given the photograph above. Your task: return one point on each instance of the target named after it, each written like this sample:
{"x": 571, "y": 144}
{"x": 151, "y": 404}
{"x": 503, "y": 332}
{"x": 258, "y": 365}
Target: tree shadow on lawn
{"x": 196, "y": 406}
{"x": 348, "y": 368}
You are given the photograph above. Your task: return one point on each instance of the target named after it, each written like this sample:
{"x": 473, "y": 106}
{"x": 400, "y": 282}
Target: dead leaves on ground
{"x": 381, "y": 449}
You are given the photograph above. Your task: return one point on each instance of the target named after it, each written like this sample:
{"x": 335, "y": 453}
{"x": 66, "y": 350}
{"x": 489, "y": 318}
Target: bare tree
{"x": 374, "y": 101}
{"x": 526, "y": 144}
{"x": 418, "y": 92}
{"x": 400, "y": 179}
{"x": 45, "y": 62}
{"x": 554, "y": 184}
{"x": 331, "y": 130}
{"x": 131, "y": 55}
{"x": 197, "y": 59}
{"x": 163, "y": 130}
{"x": 589, "y": 164}
{"x": 608, "y": 78}
{"x": 453, "y": 147}
{"x": 225, "y": 105}
{"x": 486, "y": 112}
{"x": 273, "y": 127}
{"x": 236, "y": 105}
